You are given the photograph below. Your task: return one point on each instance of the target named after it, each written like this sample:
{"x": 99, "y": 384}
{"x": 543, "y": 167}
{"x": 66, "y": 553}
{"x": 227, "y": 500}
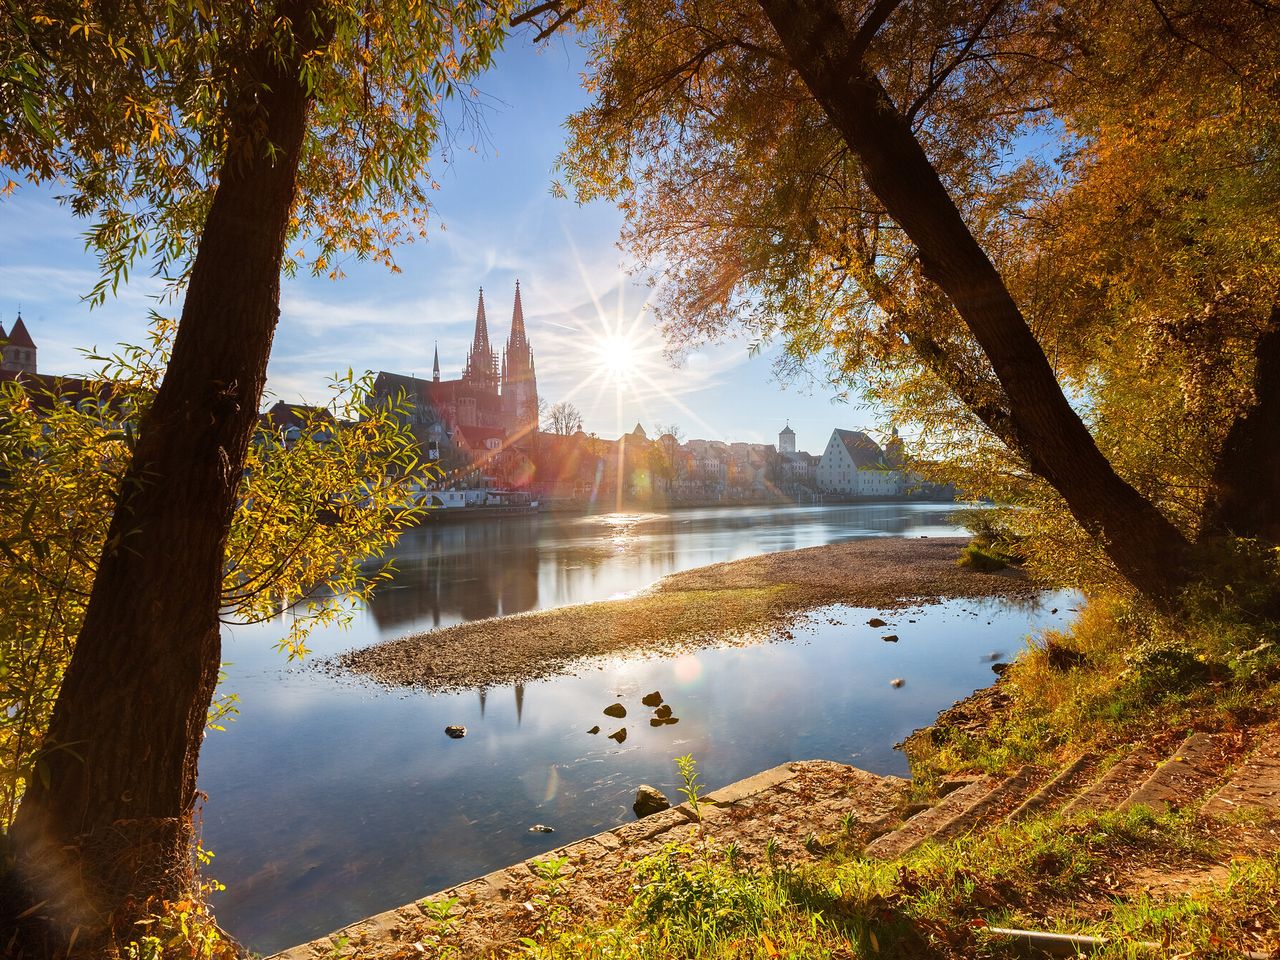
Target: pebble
{"x": 896, "y": 682}
{"x": 455, "y": 731}
{"x": 541, "y": 828}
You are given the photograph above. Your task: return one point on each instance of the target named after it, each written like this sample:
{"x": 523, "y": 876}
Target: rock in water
{"x": 649, "y": 800}
{"x": 890, "y": 638}
{"x": 663, "y": 711}
{"x": 615, "y": 710}
{"x": 456, "y": 731}
{"x": 896, "y": 682}
{"x": 619, "y": 735}
{"x": 876, "y": 622}
{"x": 594, "y": 730}
{"x": 651, "y": 699}
{"x": 541, "y": 828}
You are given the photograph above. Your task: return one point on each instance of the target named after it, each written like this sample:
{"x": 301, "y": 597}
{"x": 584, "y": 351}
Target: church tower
{"x": 481, "y": 371}
{"x": 19, "y": 353}
{"x": 787, "y": 440}
{"x": 519, "y": 381}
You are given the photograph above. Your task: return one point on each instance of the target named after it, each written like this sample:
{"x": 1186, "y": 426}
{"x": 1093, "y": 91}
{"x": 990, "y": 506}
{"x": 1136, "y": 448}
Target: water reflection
{"x": 331, "y": 800}
{"x": 455, "y": 572}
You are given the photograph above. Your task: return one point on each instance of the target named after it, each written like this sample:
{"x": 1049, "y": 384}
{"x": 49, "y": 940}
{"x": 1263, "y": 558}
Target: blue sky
{"x": 495, "y": 221}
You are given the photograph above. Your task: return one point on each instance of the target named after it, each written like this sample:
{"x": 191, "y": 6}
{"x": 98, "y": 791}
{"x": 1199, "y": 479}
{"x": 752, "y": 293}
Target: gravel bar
{"x": 741, "y": 601}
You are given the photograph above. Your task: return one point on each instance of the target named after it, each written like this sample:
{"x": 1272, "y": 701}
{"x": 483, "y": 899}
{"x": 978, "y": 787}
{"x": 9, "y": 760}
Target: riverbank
{"x": 725, "y": 603}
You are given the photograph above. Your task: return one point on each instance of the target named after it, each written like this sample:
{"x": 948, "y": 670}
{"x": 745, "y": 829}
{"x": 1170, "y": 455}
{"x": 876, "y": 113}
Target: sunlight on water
{"x": 333, "y": 799}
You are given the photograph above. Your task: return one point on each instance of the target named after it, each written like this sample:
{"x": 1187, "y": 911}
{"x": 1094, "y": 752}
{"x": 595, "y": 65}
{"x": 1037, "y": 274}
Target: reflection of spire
{"x": 519, "y": 703}
{"x": 483, "y": 694}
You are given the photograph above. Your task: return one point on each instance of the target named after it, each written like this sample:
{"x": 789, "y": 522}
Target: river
{"x": 330, "y": 799}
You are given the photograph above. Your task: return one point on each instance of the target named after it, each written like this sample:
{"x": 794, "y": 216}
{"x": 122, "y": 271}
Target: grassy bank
{"x": 724, "y": 603}
{"x": 1152, "y": 884}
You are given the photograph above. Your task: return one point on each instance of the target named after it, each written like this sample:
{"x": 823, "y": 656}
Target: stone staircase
{"x": 1215, "y": 772}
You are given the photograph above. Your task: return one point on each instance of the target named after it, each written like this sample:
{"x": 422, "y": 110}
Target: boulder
{"x": 619, "y": 735}
{"x": 615, "y": 710}
{"x": 455, "y": 731}
{"x": 651, "y": 699}
{"x": 649, "y": 800}
{"x": 876, "y": 622}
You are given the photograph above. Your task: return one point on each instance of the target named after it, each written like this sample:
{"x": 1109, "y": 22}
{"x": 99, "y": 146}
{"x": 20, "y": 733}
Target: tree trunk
{"x": 111, "y": 825}
{"x": 1245, "y": 500}
{"x": 1145, "y": 547}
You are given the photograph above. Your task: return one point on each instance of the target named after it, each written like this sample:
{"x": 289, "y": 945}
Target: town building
{"x": 853, "y": 465}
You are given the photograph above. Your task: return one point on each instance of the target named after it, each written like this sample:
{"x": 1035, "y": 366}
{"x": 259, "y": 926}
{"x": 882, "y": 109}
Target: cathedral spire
{"x": 518, "y": 338}
{"x": 482, "y": 363}
{"x": 481, "y": 339}
{"x": 435, "y": 367}
{"x": 519, "y": 385}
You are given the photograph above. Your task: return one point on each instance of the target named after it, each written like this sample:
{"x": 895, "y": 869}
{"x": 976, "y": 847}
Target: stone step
{"x": 1114, "y": 786}
{"x": 1255, "y": 784}
{"x": 929, "y": 823}
{"x": 1055, "y": 789}
{"x": 995, "y": 805}
{"x": 1181, "y": 779}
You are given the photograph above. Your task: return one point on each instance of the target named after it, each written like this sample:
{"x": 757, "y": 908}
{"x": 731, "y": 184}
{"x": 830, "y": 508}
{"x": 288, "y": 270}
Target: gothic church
{"x": 493, "y": 403}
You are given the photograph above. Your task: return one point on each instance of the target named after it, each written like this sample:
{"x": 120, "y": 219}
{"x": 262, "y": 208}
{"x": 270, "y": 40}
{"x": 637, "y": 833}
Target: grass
{"x": 692, "y": 902}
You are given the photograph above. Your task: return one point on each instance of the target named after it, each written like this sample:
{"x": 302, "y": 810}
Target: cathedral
{"x": 493, "y": 403}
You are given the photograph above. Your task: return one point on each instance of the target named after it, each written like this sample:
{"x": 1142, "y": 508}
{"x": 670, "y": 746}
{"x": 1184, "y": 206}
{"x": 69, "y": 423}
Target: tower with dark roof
{"x": 435, "y": 366}
{"x": 519, "y": 379}
{"x": 481, "y": 371}
{"x": 19, "y": 353}
{"x": 787, "y": 440}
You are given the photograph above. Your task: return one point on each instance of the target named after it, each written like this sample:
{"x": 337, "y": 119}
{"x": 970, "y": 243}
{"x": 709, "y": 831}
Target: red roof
{"x": 18, "y": 336}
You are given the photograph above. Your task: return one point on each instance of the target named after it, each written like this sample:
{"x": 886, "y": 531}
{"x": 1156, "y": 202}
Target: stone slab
{"x": 1053, "y": 790}
{"x": 1255, "y": 785}
{"x": 923, "y": 826}
{"x": 1110, "y": 790}
{"x": 1182, "y": 778}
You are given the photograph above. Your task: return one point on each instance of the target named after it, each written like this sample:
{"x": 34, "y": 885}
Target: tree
{"x": 564, "y": 418}
{"x": 839, "y": 175}
{"x": 207, "y": 136}
{"x": 310, "y": 514}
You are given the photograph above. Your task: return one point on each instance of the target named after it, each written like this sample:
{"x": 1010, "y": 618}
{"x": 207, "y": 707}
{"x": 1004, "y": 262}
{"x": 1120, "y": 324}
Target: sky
{"x": 495, "y": 221}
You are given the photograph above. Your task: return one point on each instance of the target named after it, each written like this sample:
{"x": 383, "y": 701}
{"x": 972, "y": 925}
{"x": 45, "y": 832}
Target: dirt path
{"x": 741, "y": 601}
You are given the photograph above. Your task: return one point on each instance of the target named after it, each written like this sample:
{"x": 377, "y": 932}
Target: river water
{"x": 331, "y": 799}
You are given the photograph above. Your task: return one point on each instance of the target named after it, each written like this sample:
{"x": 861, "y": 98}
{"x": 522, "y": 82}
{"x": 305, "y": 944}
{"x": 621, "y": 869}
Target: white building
{"x": 854, "y": 465}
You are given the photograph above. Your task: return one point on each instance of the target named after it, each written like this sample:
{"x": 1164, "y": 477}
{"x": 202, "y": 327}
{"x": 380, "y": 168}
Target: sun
{"x": 617, "y": 357}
